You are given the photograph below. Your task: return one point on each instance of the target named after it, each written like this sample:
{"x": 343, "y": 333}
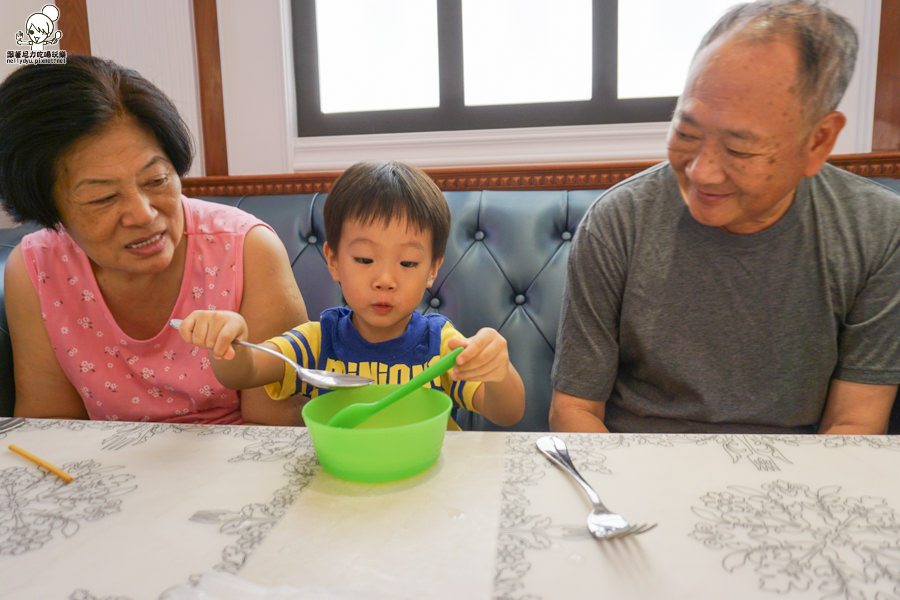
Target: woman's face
{"x": 119, "y": 198}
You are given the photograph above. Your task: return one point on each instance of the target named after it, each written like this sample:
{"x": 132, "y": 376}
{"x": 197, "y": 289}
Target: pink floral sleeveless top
{"x": 161, "y": 379}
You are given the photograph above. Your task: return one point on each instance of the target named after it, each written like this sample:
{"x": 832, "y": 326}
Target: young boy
{"x": 386, "y": 226}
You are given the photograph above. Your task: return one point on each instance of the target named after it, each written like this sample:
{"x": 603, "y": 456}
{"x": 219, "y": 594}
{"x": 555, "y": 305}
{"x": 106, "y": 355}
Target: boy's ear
{"x": 331, "y": 261}
{"x": 435, "y": 265}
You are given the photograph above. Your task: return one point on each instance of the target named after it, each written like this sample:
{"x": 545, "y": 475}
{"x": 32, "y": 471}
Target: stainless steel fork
{"x": 10, "y": 424}
{"x": 602, "y": 522}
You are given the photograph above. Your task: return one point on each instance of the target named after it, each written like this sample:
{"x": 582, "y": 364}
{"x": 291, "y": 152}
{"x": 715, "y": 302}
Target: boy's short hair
{"x": 384, "y": 191}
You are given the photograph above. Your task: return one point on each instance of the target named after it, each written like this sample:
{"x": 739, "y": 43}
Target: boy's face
{"x": 383, "y": 269}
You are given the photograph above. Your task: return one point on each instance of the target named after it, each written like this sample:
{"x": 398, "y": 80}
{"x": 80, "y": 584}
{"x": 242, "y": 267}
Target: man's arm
{"x": 857, "y": 408}
{"x": 586, "y": 359}
{"x": 570, "y": 413}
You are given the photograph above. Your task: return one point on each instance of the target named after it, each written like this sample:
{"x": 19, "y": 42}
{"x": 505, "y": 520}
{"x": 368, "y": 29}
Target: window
{"x": 389, "y": 66}
{"x": 374, "y": 56}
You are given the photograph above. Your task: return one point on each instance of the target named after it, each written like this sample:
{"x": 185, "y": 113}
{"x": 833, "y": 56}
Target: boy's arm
{"x": 501, "y": 397}
{"x": 502, "y": 402}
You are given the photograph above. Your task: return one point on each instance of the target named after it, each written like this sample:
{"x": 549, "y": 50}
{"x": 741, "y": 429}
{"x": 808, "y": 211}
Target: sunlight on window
{"x": 377, "y": 55}
{"x": 657, "y": 41}
{"x": 518, "y": 51}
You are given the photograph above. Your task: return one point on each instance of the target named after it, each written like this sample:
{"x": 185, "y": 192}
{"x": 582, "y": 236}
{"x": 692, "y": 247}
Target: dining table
{"x": 172, "y": 511}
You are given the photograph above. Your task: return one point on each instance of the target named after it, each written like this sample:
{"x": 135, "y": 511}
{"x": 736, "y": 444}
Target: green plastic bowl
{"x": 398, "y": 442}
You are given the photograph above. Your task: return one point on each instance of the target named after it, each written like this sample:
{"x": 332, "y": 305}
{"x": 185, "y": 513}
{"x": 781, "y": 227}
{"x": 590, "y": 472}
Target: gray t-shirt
{"x": 685, "y": 327}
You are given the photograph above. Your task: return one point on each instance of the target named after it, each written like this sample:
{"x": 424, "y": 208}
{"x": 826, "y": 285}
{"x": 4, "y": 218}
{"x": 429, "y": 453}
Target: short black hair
{"x": 46, "y": 108}
{"x": 384, "y": 191}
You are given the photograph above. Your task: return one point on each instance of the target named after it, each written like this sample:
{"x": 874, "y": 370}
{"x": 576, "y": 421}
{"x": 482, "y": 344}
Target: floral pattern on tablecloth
{"x": 793, "y": 540}
{"x": 796, "y": 538}
{"x": 37, "y": 508}
{"x": 250, "y": 523}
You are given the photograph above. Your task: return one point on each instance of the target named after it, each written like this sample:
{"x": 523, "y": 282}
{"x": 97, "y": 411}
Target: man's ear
{"x": 821, "y": 141}
{"x": 331, "y": 261}
{"x": 432, "y": 274}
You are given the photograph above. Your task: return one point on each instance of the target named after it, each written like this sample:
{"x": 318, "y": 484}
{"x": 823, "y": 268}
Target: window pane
{"x": 377, "y": 55}
{"x": 518, "y": 51}
{"x": 657, "y": 40}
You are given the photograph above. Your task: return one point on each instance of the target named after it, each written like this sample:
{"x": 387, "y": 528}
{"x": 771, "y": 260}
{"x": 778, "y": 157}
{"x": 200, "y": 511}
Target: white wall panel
{"x": 13, "y": 14}
{"x": 157, "y": 40}
{"x": 257, "y": 84}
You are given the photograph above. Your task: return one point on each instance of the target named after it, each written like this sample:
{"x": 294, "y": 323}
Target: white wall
{"x": 257, "y": 85}
{"x": 13, "y": 14}
{"x": 156, "y": 38}
{"x": 859, "y": 101}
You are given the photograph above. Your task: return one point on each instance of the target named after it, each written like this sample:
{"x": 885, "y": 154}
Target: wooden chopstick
{"x": 55, "y": 470}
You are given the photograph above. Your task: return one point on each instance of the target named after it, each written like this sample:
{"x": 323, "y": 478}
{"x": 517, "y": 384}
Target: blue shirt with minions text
{"x": 334, "y": 344}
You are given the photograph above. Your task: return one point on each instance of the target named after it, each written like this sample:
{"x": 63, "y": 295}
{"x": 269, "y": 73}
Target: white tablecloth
{"x": 155, "y": 507}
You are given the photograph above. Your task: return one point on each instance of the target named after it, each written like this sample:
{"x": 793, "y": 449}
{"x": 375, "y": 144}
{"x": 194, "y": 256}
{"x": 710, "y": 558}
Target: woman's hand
{"x": 237, "y": 368}
{"x": 214, "y": 330}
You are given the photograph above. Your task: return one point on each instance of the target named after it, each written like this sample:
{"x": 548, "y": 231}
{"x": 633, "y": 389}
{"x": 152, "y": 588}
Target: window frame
{"x": 452, "y": 115}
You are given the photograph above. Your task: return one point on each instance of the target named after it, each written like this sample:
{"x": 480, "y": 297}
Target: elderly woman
{"x": 93, "y": 152}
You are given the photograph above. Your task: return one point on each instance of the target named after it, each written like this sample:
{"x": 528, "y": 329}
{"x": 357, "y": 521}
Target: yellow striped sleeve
{"x": 302, "y": 344}
{"x": 462, "y": 392}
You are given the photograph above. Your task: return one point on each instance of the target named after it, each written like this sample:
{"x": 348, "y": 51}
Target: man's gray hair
{"x": 826, "y": 42}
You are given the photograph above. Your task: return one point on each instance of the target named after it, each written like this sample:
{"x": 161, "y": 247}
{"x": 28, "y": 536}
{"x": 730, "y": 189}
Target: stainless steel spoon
{"x": 322, "y": 379}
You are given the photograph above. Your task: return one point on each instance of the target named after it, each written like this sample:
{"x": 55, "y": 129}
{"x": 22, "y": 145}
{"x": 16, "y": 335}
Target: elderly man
{"x": 743, "y": 285}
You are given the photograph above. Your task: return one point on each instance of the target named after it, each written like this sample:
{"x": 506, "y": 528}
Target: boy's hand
{"x": 485, "y": 357}
{"x": 214, "y": 330}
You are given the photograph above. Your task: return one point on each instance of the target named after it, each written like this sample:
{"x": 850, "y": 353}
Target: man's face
{"x": 738, "y": 142}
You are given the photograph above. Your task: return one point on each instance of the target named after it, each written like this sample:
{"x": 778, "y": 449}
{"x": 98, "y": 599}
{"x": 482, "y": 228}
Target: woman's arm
{"x": 271, "y": 305}
{"x": 42, "y": 389}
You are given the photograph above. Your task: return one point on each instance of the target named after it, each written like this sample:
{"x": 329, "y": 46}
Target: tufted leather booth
{"x": 504, "y": 268}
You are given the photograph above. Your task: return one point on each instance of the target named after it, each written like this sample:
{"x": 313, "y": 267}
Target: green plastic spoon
{"x": 354, "y": 414}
